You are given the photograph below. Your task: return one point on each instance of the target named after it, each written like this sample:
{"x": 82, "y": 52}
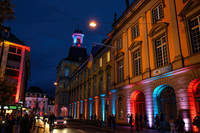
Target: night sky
{"x": 46, "y": 26}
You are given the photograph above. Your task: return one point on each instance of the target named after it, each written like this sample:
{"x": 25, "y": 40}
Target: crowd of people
{"x": 16, "y": 123}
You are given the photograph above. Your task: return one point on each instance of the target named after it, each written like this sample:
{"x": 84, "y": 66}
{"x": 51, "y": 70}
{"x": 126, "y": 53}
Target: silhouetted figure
{"x": 113, "y": 121}
{"x": 51, "y": 121}
{"x": 136, "y": 121}
{"x": 25, "y": 124}
{"x": 130, "y": 120}
{"x": 196, "y": 121}
{"x": 95, "y": 117}
{"x": 157, "y": 122}
{"x": 141, "y": 119}
{"x": 162, "y": 121}
{"x": 109, "y": 120}
{"x": 145, "y": 120}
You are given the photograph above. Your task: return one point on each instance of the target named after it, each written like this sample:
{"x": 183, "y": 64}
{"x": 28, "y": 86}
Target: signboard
{"x": 162, "y": 70}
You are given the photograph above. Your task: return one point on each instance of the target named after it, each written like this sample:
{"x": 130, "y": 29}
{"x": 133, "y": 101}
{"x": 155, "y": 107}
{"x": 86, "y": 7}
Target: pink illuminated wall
{"x": 192, "y": 88}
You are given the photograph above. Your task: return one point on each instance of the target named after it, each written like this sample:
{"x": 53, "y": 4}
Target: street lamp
{"x": 93, "y": 24}
{"x": 55, "y": 83}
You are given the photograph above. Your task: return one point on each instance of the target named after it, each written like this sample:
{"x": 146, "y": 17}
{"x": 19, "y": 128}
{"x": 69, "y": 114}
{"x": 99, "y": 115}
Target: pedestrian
{"x": 17, "y": 121}
{"x": 140, "y": 119}
{"x": 172, "y": 125}
{"x": 25, "y": 124}
{"x": 109, "y": 120}
{"x": 2, "y": 125}
{"x": 130, "y": 120}
{"x": 196, "y": 121}
{"x": 179, "y": 124}
{"x": 136, "y": 121}
{"x": 113, "y": 121}
{"x": 95, "y": 117}
{"x": 145, "y": 120}
{"x": 157, "y": 122}
{"x": 162, "y": 121}
{"x": 51, "y": 121}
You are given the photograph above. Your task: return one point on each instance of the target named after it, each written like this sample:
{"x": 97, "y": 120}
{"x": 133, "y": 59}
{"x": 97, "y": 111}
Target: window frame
{"x": 118, "y": 71}
{"x": 119, "y": 43}
{"x": 136, "y": 24}
{"x": 159, "y": 18}
{"x": 133, "y": 64}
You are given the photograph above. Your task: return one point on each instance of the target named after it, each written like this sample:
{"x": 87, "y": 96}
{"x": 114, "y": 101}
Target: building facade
{"x": 155, "y": 66}
{"x": 77, "y": 55}
{"x": 14, "y": 63}
{"x": 36, "y": 100}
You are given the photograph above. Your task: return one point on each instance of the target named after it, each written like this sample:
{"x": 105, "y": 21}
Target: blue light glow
{"x": 75, "y": 110}
{"x": 156, "y": 94}
{"x": 90, "y": 108}
{"x": 81, "y": 106}
{"x": 102, "y": 95}
{"x": 103, "y": 108}
{"x": 70, "y": 109}
{"x": 90, "y": 98}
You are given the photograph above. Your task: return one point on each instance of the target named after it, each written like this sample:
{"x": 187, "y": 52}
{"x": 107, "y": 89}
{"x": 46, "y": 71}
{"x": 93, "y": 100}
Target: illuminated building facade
{"x": 36, "y": 100}
{"x": 154, "y": 68}
{"x": 14, "y": 63}
{"x": 77, "y": 54}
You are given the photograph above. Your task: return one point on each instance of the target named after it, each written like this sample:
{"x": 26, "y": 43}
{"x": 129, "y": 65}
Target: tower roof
{"x": 78, "y": 31}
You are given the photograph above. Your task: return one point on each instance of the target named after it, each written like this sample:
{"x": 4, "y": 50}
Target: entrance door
{"x": 167, "y": 104}
{"x": 140, "y": 103}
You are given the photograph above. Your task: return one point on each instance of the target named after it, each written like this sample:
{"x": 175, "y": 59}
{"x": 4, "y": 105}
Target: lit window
{"x": 119, "y": 43}
{"x": 100, "y": 62}
{"x": 94, "y": 86}
{"x": 67, "y": 71}
{"x": 157, "y": 13}
{"x": 120, "y": 71}
{"x": 161, "y": 51}
{"x": 108, "y": 56}
{"x": 195, "y": 33}
{"x": 135, "y": 31}
{"x": 137, "y": 63}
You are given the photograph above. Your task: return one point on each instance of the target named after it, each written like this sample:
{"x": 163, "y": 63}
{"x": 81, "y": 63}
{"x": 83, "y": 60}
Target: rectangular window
{"x": 195, "y": 33}
{"x": 89, "y": 89}
{"x": 119, "y": 43}
{"x": 94, "y": 86}
{"x": 94, "y": 66}
{"x": 135, "y": 31}
{"x": 161, "y": 51}
{"x": 89, "y": 71}
{"x": 108, "y": 56}
{"x": 85, "y": 74}
{"x": 120, "y": 71}
{"x": 66, "y": 71}
{"x": 137, "y": 63}
{"x": 157, "y": 13}
{"x": 100, "y": 62}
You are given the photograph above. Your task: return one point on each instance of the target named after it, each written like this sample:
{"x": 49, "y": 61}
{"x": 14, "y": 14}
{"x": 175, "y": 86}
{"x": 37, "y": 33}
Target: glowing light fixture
{"x": 93, "y": 24}
{"x": 55, "y": 83}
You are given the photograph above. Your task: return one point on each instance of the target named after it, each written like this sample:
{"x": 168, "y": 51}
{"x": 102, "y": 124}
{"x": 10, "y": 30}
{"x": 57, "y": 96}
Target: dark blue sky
{"x": 46, "y": 26}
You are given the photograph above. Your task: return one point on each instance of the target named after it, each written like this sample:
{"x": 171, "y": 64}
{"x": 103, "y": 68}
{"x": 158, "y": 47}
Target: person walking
{"x": 141, "y": 119}
{"x": 145, "y": 120}
{"x": 196, "y": 121}
{"x": 172, "y": 125}
{"x": 130, "y": 120}
{"x": 136, "y": 121}
{"x": 179, "y": 124}
{"x": 25, "y": 124}
{"x": 109, "y": 120}
{"x": 162, "y": 121}
{"x": 113, "y": 121}
{"x": 51, "y": 121}
{"x": 157, "y": 122}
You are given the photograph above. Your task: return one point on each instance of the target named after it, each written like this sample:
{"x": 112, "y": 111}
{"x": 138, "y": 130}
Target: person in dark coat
{"x": 109, "y": 120}
{"x": 25, "y": 124}
{"x": 113, "y": 121}
{"x": 179, "y": 124}
{"x": 162, "y": 121}
{"x": 145, "y": 120}
{"x": 157, "y": 122}
{"x": 52, "y": 118}
{"x": 136, "y": 121}
{"x": 141, "y": 119}
{"x": 130, "y": 120}
{"x": 196, "y": 121}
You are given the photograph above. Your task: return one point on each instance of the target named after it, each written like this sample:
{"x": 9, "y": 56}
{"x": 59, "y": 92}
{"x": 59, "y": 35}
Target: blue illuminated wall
{"x": 156, "y": 94}
{"x": 70, "y": 109}
{"x": 75, "y": 110}
{"x": 90, "y": 107}
{"x": 103, "y": 108}
{"x": 82, "y": 107}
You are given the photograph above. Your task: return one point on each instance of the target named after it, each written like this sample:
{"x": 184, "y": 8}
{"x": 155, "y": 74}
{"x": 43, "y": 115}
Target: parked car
{"x": 60, "y": 122}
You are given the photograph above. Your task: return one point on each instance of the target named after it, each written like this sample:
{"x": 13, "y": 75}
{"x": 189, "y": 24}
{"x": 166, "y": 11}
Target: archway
{"x": 137, "y": 103}
{"x": 194, "y": 99}
{"x": 164, "y": 99}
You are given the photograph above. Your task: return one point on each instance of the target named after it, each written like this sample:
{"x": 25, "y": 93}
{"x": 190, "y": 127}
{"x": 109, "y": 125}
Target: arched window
{"x": 120, "y": 108}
